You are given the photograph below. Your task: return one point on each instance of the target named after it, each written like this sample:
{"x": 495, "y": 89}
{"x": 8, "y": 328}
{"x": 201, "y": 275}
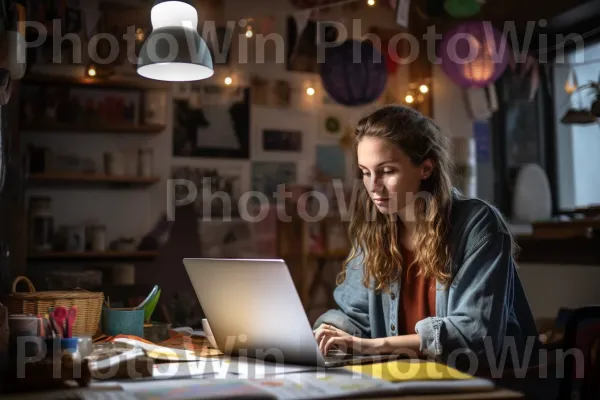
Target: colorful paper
{"x": 409, "y": 370}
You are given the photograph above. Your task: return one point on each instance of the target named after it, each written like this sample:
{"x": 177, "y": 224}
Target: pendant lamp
{"x": 174, "y": 51}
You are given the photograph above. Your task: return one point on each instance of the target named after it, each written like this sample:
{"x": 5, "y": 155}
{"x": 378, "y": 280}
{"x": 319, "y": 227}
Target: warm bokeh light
{"x": 249, "y": 32}
{"x": 423, "y": 89}
{"x": 409, "y": 98}
{"x": 310, "y": 91}
{"x": 228, "y": 80}
{"x": 371, "y": 2}
{"x": 91, "y": 72}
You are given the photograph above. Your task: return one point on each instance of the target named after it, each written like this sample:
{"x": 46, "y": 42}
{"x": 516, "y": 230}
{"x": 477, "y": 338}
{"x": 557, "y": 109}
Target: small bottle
{"x": 41, "y": 223}
{"x": 98, "y": 237}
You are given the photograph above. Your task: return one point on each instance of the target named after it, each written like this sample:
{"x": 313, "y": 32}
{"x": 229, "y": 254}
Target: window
{"x": 577, "y": 145}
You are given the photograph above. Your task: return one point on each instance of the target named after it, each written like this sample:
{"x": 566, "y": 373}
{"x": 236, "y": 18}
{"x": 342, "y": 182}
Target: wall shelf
{"x": 124, "y": 128}
{"x": 108, "y": 83}
{"x": 82, "y": 178}
{"x": 92, "y": 255}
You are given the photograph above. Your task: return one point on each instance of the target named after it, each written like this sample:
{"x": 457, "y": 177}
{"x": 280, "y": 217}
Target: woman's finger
{"x": 322, "y": 342}
{"x": 326, "y": 335}
{"x": 319, "y": 329}
{"x": 338, "y": 342}
{"x": 325, "y": 331}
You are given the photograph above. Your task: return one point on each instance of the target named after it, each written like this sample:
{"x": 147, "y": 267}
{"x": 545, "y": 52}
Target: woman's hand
{"x": 329, "y": 337}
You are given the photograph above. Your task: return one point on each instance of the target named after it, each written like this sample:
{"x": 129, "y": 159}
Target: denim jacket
{"x": 485, "y": 299}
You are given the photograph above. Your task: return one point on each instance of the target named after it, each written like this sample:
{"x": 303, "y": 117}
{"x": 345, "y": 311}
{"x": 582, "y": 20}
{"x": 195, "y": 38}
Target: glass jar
{"x": 41, "y": 223}
{"x": 98, "y": 237}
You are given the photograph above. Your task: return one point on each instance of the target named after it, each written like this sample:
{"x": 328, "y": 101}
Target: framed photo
{"x": 282, "y": 140}
{"x": 281, "y": 135}
{"x": 267, "y": 176}
{"x": 214, "y": 122}
{"x": 331, "y": 162}
{"x": 332, "y": 125}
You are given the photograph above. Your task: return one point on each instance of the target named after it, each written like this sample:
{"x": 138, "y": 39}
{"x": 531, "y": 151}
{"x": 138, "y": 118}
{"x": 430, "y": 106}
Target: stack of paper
{"x": 419, "y": 376}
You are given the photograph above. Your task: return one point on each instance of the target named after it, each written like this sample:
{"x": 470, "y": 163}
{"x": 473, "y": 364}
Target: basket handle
{"x": 22, "y": 278}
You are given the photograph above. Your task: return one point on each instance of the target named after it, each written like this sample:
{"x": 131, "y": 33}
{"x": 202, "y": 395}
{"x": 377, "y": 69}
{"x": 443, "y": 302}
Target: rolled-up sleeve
{"x": 479, "y": 303}
{"x": 352, "y": 299}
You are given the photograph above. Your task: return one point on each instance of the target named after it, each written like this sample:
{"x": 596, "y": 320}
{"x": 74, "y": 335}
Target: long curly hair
{"x": 376, "y": 235}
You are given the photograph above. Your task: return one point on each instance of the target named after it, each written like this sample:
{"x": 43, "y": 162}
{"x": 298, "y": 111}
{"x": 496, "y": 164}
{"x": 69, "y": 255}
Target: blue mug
{"x": 123, "y": 321}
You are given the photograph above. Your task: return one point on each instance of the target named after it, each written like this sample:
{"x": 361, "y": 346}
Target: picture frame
{"x": 213, "y": 123}
{"x": 282, "y": 140}
{"x": 267, "y": 176}
{"x": 288, "y": 135}
{"x": 332, "y": 126}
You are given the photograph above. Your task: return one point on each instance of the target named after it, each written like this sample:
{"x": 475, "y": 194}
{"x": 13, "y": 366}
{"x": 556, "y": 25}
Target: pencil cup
{"x": 117, "y": 321}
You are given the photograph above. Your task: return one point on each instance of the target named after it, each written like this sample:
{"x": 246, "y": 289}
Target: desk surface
{"x": 500, "y": 394}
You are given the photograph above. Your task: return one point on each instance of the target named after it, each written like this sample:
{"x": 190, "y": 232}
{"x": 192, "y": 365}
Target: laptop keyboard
{"x": 336, "y": 356}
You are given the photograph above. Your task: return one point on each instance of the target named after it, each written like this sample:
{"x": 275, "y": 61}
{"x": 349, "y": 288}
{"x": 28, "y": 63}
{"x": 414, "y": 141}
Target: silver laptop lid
{"x": 254, "y": 309}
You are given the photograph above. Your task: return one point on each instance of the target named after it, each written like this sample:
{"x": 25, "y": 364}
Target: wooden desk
{"x": 500, "y": 394}
{"x": 114, "y": 392}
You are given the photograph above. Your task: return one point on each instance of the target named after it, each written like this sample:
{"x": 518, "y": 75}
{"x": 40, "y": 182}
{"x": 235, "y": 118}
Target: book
{"x": 409, "y": 370}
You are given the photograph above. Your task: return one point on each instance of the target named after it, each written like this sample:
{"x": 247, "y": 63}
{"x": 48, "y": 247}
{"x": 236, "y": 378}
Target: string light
{"x": 310, "y": 91}
{"x": 249, "y": 32}
{"x": 228, "y": 81}
{"x": 423, "y": 88}
{"x": 409, "y": 98}
{"x": 371, "y": 3}
{"x": 92, "y": 71}
{"x": 140, "y": 35}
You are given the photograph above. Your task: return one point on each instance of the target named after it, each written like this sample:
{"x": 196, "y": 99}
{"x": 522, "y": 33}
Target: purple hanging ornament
{"x": 474, "y": 54}
{"x": 352, "y": 80}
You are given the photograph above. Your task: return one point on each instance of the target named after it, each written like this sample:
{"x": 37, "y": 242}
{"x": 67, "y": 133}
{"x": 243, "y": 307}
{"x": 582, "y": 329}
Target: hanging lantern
{"x": 474, "y": 54}
{"x": 462, "y": 8}
{"x": 354, "y": 82}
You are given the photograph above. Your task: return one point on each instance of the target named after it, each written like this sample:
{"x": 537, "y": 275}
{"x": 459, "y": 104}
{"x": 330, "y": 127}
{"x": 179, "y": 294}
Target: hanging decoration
{"x": 354, "y": 83}
{"x": 571, "y": 83}
{"x": 582, "y": 114}
{"x": 489, "y": 47}
{"x": 462, "y": 8}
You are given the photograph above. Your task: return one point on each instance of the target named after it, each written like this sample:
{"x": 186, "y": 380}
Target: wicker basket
{"x": 89, "y": 305}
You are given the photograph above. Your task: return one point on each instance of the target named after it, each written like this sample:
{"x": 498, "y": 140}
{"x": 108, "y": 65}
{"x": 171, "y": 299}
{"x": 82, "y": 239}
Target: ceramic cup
{"x": 24, "y": 334}
{"x": 123, "y": 321}
{"x": 208, "y": 333}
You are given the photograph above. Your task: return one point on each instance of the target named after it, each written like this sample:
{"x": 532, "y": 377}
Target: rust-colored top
{"x": 418, "y": 296}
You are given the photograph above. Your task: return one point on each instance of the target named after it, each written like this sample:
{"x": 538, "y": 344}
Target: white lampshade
{"x": 174, "y": 51}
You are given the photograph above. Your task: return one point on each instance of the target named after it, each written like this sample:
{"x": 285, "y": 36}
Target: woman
{"x": 431, "y": 273}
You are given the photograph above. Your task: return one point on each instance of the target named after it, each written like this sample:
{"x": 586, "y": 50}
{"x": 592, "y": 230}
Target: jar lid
{"x": 63, "y": 344}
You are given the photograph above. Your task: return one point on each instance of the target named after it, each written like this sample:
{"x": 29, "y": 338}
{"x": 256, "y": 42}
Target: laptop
{"x": 254, "y": 310}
